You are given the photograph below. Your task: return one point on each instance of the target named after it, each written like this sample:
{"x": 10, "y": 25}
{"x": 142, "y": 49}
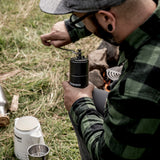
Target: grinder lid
{"x": 26, "y": 123}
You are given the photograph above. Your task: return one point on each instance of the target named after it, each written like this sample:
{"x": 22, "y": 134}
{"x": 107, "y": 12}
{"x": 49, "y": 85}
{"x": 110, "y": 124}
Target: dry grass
{"x": 42, "y": 70}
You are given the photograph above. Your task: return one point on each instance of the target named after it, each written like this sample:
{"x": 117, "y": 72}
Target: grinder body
{"x": 79, "y": 72}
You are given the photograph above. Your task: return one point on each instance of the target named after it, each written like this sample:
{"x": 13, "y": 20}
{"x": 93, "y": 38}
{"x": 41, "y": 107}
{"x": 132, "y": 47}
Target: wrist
{"x": 76, "y": 33}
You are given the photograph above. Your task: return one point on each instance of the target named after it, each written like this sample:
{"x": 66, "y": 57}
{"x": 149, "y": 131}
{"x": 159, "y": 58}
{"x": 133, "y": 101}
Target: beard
{"x": 101, "y": 33}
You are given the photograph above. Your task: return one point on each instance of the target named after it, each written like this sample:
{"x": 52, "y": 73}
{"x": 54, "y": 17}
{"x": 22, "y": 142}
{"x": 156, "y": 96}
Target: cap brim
{"x": 56, "y": 7}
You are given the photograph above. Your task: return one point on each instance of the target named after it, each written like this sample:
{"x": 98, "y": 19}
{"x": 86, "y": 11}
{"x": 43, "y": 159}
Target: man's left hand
{"x": 72, "y": 94}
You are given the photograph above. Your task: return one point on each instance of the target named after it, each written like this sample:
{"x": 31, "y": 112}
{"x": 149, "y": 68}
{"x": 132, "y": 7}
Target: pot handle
{"x": 15, "y": 121}
{"x": 37, "y": 137}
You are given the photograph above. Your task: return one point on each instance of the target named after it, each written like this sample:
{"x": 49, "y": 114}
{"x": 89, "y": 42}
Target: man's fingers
{"x": 58, "y": 43}
{"x": 90, "y": 87}
{"x": 53, "y": 39}
{"x": 45, "y": 39}
{"x": 47, "y": 36}
{"x": 65, "y": 84}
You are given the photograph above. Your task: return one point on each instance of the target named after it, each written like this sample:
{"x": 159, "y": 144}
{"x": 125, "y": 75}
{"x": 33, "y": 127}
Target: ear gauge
{"x": 110, "y": 28}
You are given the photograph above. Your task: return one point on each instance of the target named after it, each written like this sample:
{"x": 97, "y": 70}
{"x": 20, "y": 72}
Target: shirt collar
{"x": 142, "y": 34}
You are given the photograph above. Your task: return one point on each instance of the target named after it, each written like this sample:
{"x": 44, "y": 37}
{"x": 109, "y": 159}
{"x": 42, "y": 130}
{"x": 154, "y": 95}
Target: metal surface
{"x": 38, "y": 152}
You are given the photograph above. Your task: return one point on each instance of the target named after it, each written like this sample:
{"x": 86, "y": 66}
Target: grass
{"x": 42, "y": 70}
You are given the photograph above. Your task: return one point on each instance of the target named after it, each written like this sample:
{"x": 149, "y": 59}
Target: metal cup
{"x": 38, "y": 152}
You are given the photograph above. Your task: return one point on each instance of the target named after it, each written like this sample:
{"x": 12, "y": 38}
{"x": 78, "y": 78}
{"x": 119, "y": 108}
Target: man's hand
{"x": 72, "y": 94}
{"x": 58, "y": 37}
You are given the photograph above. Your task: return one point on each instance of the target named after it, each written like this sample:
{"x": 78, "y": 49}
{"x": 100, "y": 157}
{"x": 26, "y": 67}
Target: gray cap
{"x": 81, "y": 6}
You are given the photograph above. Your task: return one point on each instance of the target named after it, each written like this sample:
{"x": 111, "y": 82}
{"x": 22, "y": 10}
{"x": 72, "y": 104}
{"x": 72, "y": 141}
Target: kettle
{"x": 27, "y": 131}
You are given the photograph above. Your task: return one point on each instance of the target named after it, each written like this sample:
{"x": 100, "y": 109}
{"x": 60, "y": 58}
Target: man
{"x": 129, "y": 128}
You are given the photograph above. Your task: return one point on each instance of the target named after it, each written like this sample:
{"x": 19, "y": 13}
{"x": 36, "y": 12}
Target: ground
{"x": 38, "y": 82}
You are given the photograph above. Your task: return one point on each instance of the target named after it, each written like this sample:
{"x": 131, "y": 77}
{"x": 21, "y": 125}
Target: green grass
{"x": 42, "y": 71}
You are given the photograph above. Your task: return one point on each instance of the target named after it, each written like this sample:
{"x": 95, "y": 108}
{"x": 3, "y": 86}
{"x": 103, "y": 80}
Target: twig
{"x": 8, "y": 75}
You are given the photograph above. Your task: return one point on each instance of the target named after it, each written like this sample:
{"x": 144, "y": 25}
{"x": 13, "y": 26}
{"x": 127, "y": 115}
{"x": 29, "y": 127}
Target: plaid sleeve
{"x": 92, "y": 129}
{"x": 76, "y": 33}
{"x": 122, "y": 134}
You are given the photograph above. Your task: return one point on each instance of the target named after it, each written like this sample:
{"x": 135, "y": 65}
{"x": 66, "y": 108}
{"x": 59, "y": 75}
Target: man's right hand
{"x": 58, "y": 37}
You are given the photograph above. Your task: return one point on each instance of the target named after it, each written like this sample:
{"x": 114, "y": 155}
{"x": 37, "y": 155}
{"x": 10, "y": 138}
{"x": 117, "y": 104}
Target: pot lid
{"x": 26, "y": 123}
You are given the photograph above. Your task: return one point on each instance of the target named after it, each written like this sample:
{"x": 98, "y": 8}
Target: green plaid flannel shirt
{"x": 130, "y": 128}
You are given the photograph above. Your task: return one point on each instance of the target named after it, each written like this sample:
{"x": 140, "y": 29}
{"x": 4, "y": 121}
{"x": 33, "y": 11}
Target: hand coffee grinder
{"x": 79, "y": 70}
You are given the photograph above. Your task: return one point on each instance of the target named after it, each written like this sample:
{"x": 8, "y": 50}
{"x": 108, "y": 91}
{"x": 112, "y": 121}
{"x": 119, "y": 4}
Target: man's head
{"x": 111, "y": 20}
